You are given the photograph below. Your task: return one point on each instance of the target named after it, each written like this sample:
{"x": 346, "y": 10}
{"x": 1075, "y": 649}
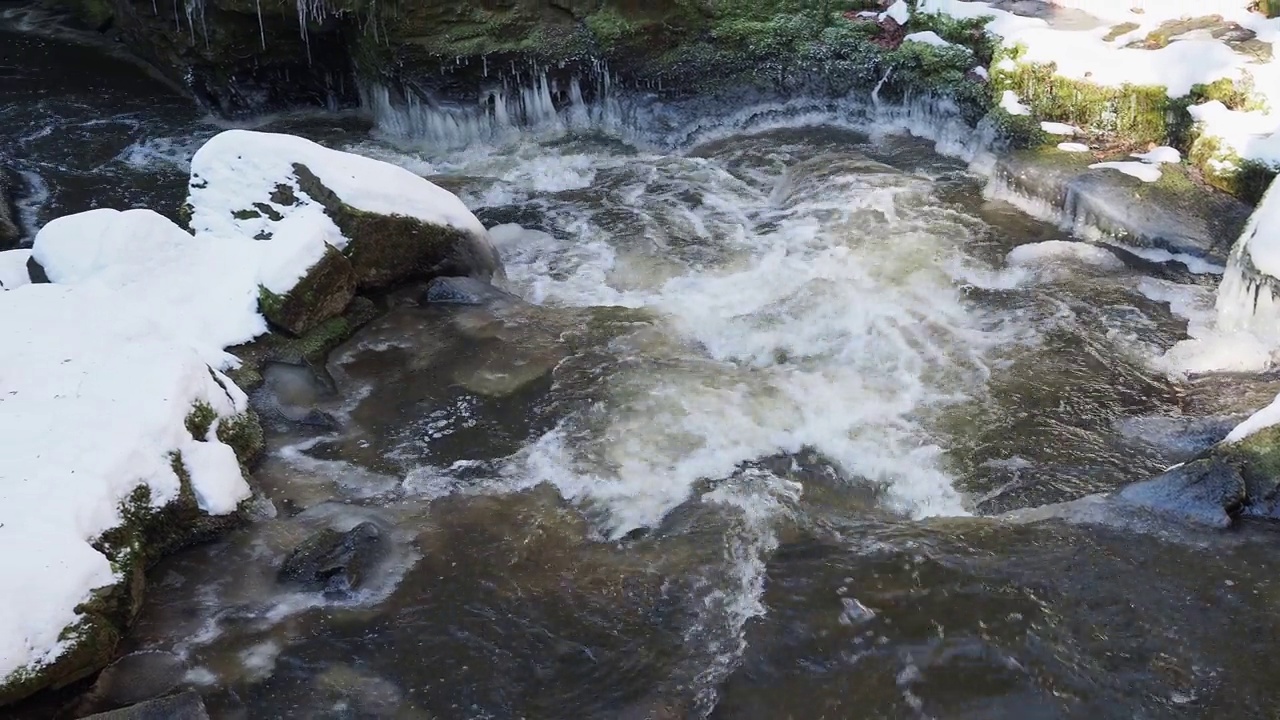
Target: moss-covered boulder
{"x": 323, "y": 293}
{"x": 391, "y": 225}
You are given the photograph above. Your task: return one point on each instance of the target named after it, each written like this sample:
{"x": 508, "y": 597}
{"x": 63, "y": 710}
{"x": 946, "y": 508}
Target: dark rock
{"x": 1206, "y": 492}
{"x": 335, "y": 562}
{"x": 323, "y": 293}
{"x": 464, "y": 291}
{"x": 137, "y": 677}
{"x": 183, "y": 706}
{"x": 36, "y": 271}
{"x": 10, "y": 188}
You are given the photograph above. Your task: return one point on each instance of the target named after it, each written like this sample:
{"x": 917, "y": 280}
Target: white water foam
{"x": 821, "y": 310}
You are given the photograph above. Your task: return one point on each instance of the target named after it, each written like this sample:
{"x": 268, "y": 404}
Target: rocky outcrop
{"x": 323, "y": 293}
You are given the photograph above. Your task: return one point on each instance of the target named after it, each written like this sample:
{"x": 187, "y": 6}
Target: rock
{"x": 1206, "y": 492}
{"x": 1173, "y": 214}
{"x": 137, "y": 677}
{"x": 183, "y": 706}
{"x": 323, "y": 293}
{"x": 10, "y": 229}
{"x": 393, "y": 226}
{"x": 464, "y": 291}
{"x": 335, "y": 562}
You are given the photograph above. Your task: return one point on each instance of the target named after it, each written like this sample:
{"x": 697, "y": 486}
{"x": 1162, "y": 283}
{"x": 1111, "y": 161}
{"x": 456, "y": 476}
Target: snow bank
{"x": 93, "y": 399}
{"x": 1073, "y": 147}
{"x": 13, "y": 268}
{"x": 234, "y": 174}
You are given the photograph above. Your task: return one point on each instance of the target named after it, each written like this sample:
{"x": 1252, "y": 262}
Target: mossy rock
{"x": 310, "y": 348}
{"x": 323, "y": 293}
{"x": 146, "y": 535}
{"x": 387, "y": 250}
{"x": 1257, "y": 459}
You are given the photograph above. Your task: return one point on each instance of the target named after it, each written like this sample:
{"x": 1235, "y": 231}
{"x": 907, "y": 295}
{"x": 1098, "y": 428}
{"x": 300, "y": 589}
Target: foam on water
{"x": 807, "y": 305}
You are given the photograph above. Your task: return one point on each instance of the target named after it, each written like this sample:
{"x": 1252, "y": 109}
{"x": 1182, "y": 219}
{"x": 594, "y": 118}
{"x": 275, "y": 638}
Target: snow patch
{"x": 1160, "y": 155}
{"x": 1010, "y": 103}
{"x": 929, "y": 37}
{"x": 1073, "y": 147}
{"x": 1259, "y": 421}
{"x": 13, "y": 268}
{"x": 1057, "y": 128}
{"x": 898, "y": 11}
{"x": 1142, "y": 171}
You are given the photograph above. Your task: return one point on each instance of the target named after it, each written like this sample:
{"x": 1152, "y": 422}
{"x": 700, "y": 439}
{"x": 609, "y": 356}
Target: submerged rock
{"x": 135, "y": 678}
{"x": 335, "y": 562}
{"x": 464, "y": 291}
{"x": 183, "y": 706}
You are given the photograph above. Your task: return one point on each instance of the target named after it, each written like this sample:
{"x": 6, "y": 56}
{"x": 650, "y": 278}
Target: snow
{"x": 100, "y": 368}
{"x": 982, "y": 72}
{"x": 13, "y": 268}
{"x": 237, "y": 169}
{"x": 1010, "y": 103}
{"x": 898, "y": 11}
{"x": 1261, "y": 420}
{"x": 1073, "y": 147}
{"x": 1190, "y": 59}
{"x": 929, "y": 37}
{"x": 1057, "y": 128}
{"x": 1142, "y": 171}
{"x": 1160, "y": 155}
{"x": 1261, "y": 235}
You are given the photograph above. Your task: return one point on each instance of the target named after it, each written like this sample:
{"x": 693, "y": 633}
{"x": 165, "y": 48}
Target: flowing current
{"x": 732, "y": 446}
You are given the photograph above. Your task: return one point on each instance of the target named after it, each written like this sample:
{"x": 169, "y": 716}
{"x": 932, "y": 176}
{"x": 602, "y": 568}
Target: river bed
{"x": 734, "y": 446}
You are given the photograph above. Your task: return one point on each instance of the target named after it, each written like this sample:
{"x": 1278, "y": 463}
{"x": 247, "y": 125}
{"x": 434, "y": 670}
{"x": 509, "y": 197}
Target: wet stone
{"x": 135, "y": 678}
{"x": 184, "y": 706}
{"x": 335, "y": 562}
{"x": 464, "y": 291}
{"x": 1205, "y": 492}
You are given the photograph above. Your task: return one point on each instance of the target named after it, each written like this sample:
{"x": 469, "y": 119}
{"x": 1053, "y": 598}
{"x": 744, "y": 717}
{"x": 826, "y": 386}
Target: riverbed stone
{"x": 333, "y": 561}
{"x": 464, "y": 291}
{"x": 183, "y": 706}
{"x": 136, "y": 678}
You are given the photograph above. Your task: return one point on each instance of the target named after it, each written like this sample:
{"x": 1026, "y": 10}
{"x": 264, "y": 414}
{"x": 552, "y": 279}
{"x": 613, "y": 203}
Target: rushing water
{"x": 733, "y": 448}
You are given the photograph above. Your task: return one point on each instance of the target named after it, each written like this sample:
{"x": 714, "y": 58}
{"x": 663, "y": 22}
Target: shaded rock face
{"x": 335, "y": 562}
{"x": 325, "y": 291}
{"x": 1208, "y": 492}
{"x": 10, "y": 230}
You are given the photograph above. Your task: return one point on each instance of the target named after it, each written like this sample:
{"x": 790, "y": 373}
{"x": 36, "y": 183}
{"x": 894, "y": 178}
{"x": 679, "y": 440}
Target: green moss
{"x": 243, "y": 433}
{"x": 1139, "y": 114}
{"x": 1247, "y": 180}
{"x": 245, "y": 214}
{"x": 201, "y": 419}
{"x": 610, "y": 28}
{"x": 968, "y": 32}
{"x": 269, "y": 303}
{"x": 1121, "y": 29}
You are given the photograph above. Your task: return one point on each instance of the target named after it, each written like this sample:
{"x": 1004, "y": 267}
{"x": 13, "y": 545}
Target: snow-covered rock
{"x": 392, "y": 225}
{"x": 121, "y": 436}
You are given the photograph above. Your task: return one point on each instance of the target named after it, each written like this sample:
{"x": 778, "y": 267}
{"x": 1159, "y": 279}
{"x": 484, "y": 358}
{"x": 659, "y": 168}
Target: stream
{"x": 731, "y": 442}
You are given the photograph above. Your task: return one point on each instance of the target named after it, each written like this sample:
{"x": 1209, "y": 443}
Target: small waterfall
{"x": 534, "y": 101}
{"x": 1249, "y": 295}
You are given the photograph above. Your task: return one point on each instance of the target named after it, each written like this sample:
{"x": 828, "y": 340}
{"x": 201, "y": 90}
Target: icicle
{"x": 262, "y": 29}
{"x": 875, "y": 94}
